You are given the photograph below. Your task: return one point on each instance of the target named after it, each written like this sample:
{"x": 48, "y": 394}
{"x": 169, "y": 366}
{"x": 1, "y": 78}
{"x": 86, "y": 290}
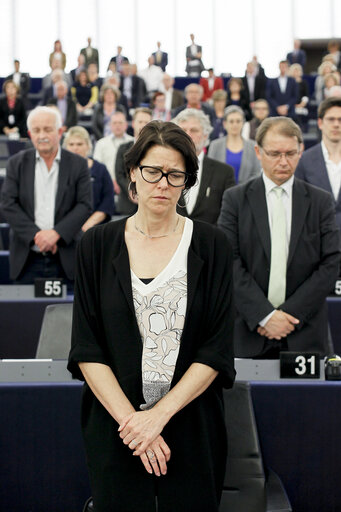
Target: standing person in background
{"x": 22, "y": 80}
{"x": 119, "y": 59}
{"x": 106, "y": 148}
{"x": 152, "y": 338}
{"x": 174, "y": 97}
{"x": 105, "y": 108}
{"x": 254, "y": 84}
{"x": 160, "y": 57}
{"x": 58, "y": 54}
{"x": 46, "y": 198}
{"x": 126, "y": 204}
{"x": 210, "y": 84}
{"x": 90, "y": 54}
{"x": 66, "y": 106}
{"x": 84, "y": 94}
{"x": 233, "y": 149}
{"x": 297, "y": 56}
{"x": 77, "y": 140}
{"x": 260, "y": 111}
{"x": 219, "y": 99}
{"x": 194, "y": 65}
{"x": 12, "y": 111}
{"x": 282, "y": 93}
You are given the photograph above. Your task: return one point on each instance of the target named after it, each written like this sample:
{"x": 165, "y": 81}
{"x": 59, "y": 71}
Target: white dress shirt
{"x": 106, "y": 151}
{"x": 333, "y": 170}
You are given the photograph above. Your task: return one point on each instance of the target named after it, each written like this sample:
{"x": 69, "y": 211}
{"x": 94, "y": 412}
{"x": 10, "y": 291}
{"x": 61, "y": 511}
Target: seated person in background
{"x": 65, "y": 104}
{"x": 324, "y": 69}
{"x": 77, "y": 140}
{"x": 93, "y": 75}
{"x": 282, "y": 93}
{"x": 203, "y": 202}
{"x": 126, "y": 205}
{"x": 160, "y": 113}
{"x": 46, "y": 198}
{"x": 320, "y": 165}
{"x": 132, "y": 86}
{"x": 254, "y": 84}
{"x": 152, "y": 76}
{"x": 233, "y": 149}
{"x": 286, "y": 250}
{"x": 210, "y": 84}
{"x": 219, "y": 99}
{"x": 193, "y": 95}
{"x": 84, "y": 94}
{"x": 58, "y": 54}
{"x": 236, "y": 96}
{"x": 174, "y": 97}
{"x": 80, "y": 67}
{"x": 22, "y": 80}
{"x": 105, "y": 108}
{"x": 12, "y": 111}
{"x": 106, "y": 148}
{"x": 260, "y": 111}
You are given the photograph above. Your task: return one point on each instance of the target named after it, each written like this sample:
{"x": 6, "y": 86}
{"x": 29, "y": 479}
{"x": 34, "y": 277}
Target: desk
{"x": 43, "y": 464}
{"x": 20, "y": 323}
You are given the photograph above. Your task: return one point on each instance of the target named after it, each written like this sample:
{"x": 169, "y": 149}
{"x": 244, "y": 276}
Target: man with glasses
{"x": 321, "y": 164}
{"x": 286, "y": 247}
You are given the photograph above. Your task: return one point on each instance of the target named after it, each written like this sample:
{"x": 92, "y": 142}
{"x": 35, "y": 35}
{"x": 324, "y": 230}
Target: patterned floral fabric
{"x": 160, "y": 308}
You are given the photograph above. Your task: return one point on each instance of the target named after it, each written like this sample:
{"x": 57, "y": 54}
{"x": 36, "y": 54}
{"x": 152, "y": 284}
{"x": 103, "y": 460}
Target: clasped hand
{"x": 140, "y": 431}
{"x": 46, "y": 240}
{"x": 278, "y": 326}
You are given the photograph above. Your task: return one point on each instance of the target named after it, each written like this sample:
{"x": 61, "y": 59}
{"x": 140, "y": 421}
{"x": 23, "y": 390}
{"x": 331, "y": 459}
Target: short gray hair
{"x": 200, "y": 87}
{"x": 232, "y": 109}
{"x": 45, "y": 110}
{"x": 189, "y": 113}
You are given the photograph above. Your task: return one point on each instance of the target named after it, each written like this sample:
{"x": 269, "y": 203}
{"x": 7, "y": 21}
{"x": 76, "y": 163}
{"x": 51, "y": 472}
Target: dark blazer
{"x": 215, "y": 179}
{"x": 275, "y": 97}
{"x": 71, "y": 112}
{"x": 25, "y": 83}
{"x": 164, "y": 60}
{"x": 97, "y": 122}
{"x": 189, "y": 57}
{"x": 138, "y": 90}
{"x": 124, "y": 205}
{"x": 102, "y": 190}
{"x": 312, "y": 169}
{"x": 177, "y": 99}
{"x": 93, "y": 59}
{"x": 297, "y": 58}
{"x": 260, "y": 87}
{"x": 105, "y": 331}
{"x": 18, "y": 113}
{"x": 73, "y": 206}
{"x": 312, "y": 268}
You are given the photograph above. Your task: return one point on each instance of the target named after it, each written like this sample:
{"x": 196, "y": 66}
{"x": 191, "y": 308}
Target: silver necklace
{"x": 155, "y": 236}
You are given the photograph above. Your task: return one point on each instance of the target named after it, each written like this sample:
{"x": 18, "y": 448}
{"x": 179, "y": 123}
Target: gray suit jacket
{"x": 312, "y": 169}
{"x": 312, "y": 266}
{"x": 72, "y": 208}
{"x": 250, "y": 166}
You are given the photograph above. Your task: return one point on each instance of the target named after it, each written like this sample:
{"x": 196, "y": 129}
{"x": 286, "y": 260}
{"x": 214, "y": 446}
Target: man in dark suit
{"x": 160, "y": 57}
{"x": 119, "y": 59}
{"x": 174, "y": 97}
{"x": 22, "y": 80}
{"x": 254, "y": 84}
{"x": 297, "y": 56}
{"x": 321, "y": 164}
{"x": 46, "y": 198}
{"x": 282, "y": 93}
{"x": 194, "y": 65}
{"x": 90, "y": 54}
{"x": 65, "y": 104}
{"x": 286, "y": 250}
{"x": 193, "y": 94}
{"x": 132, "y": 86}
{"x": 125, "y": 204}
{"x": 203, "y": 202}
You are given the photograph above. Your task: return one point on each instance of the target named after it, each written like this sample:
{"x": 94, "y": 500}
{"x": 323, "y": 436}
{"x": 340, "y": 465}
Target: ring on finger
{"x": 151, "y": 455}
{"x": 134, "y": 443}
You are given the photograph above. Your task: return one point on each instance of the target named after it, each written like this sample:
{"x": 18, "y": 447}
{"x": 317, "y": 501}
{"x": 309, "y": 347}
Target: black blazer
{"x": 276, "y": 98}
{"x": 71, "y": 113}
{"x": 18, "y": 113}
{"x": 97, "y": 122}
{"x": 312, "y": 268}
{"x": 124, "y": 205}
{"x": 260, "y": 87}
{"x": 138, "y": 91}
{"x": 105, "y": 331}
{"x": 216, "y": 178}
{"x": 72, "y": 208}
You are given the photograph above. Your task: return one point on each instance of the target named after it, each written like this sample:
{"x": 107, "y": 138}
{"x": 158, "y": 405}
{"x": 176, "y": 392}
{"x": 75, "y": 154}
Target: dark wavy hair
{"x": 166, "y": 134}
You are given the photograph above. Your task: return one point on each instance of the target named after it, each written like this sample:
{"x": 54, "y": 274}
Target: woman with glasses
{"x": 152, "y": 331}
{"x": 234, "y": 149}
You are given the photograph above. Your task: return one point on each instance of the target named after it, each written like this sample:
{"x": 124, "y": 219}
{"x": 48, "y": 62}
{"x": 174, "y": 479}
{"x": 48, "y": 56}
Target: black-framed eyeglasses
{"x": 155, "y": 174}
